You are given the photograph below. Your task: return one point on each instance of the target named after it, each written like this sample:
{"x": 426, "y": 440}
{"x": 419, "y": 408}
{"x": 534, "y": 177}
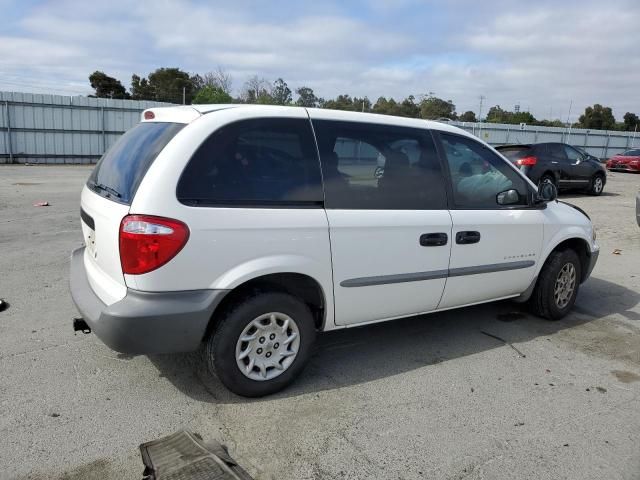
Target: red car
{"x": 628, "y": 161}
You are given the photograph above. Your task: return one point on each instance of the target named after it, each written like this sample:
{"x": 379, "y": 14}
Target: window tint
{"x": 367, "y": 166}
{"x": 258, "y": 162}
{"x": 556, "y": 150}
{"x": 631, "y": 153}
{"x": 120, "y": 171}
{"x": 515, "y": 153}
{"x": 572, "y": 154}
{"x": 478, "y": 174}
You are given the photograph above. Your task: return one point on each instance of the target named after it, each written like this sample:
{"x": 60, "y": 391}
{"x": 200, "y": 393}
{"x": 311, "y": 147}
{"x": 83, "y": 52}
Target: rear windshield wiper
{"x": 107, "y": 189}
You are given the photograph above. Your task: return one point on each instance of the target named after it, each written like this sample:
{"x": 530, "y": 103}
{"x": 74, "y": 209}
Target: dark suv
{"x": 559, "y": 163}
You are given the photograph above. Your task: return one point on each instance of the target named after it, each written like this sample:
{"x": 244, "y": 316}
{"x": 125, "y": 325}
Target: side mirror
{"x": 547, "y": 192}
{"x": 508, "y": 197}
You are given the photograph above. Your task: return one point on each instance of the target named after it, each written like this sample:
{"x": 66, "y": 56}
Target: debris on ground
{"x": 601, "y": 389}
{"x": 617, "y": 251}
{"x": 42, "y": 204}
{"x": 505, "y": 342}
{"x": 518, "y": 424}
{"x": 185, "y": 455}
{"x": 3, "y": 305}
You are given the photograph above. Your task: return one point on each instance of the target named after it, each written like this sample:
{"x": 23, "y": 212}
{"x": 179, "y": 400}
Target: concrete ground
{"x": 428, "y": 397}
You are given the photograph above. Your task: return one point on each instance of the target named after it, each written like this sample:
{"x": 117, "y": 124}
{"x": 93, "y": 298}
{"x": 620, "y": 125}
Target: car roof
{"x": 188, "y": 113}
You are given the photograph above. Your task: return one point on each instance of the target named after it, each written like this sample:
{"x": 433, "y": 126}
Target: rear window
{"x": 120, "y": 171}
{"x": 255, "y": 163}
{"x": 632, "y": 153}
{"x": 515, "y": 153}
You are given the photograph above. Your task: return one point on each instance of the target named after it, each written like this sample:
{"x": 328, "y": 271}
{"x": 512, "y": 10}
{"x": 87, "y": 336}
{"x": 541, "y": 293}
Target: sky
{"x": 543, "y": 55}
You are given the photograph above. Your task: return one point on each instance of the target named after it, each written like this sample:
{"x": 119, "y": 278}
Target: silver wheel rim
{"x": 565, "y": 285}
{"x": 267, "y": 346}
{"x": 597, "y": 184}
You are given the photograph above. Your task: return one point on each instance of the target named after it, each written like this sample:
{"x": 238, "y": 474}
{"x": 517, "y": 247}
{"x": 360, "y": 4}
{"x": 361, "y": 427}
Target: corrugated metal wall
{"x": 599, "y": 143}
{"x": 38, "y": 128}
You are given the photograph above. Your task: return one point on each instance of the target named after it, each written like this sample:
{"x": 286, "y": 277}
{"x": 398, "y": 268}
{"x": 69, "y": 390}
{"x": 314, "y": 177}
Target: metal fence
{"x": 599, "y": 143}
{"x": 38, "y": 128}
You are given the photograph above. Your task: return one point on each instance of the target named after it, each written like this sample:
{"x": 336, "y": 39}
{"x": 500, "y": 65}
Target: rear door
{"x": 495, "y": 246}
{"x": 388, "y": 220}
{"x": 106, "y": 199}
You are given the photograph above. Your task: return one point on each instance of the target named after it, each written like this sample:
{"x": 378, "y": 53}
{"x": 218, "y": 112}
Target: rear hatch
{"x": 107, "y": 197}
{"x": 516, "y": 152}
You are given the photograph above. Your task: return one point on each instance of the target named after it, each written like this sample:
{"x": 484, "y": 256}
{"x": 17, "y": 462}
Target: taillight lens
{"x": 147, "y": 242}
{"x": 527, "y": 161}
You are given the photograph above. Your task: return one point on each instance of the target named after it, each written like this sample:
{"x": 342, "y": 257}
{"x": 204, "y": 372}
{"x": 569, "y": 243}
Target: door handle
{"x": 433, "y": 239}
{"x": 465, "y": 238}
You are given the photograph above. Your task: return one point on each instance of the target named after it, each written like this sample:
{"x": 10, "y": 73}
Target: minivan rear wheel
{"x": 261, "y": 344}
{"x": 557, "y": 286}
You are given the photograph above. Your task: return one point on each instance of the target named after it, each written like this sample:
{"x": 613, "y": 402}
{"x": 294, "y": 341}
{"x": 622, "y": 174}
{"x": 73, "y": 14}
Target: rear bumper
{"x": 144, "y": 322}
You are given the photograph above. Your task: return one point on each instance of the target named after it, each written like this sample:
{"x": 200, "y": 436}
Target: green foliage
{"x": 433, "y": 108}
{"x": 281, "y": 93}
{"x": 163, "y": 85}
{"x": 209, "y": 94}
{"x": 631, "y": 122}
{"x": 468, "y": 116}
{"x": 345, "y": 102}
{"x": 306, "y": 98}
{"x": 498, "y": 115}
{"x": 597, "y": 117}
{"x": 407, "y": 108}
{"x": 106, "y": 86}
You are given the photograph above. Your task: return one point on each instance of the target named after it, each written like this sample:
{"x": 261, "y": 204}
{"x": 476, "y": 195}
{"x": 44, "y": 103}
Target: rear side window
{"x": 632, "y": 153}
{"x": 515, "y": 153}
{"x": 120, "y": 171}
{"x": 255, "y": 163}
{"x": 379, "y": 167}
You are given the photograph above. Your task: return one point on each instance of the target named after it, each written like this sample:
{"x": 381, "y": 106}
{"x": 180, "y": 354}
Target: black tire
{"x": 543, "y": 301}
{"x": 220, "y": 348}
{"x": 547, "y": 178}
{"x": 597, "y": 184}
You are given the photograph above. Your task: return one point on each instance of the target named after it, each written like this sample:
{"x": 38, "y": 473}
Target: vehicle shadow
{"x": 359, "y": 355}
{"x": 568, "y": 194}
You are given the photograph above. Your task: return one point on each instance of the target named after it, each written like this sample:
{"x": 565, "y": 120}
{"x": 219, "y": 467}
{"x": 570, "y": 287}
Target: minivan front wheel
{"x": 261, "y": 344}
{"x": 557, "y": 286}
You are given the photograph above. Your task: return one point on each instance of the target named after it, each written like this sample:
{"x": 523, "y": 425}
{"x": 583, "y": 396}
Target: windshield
{"x": 120, "y": 170}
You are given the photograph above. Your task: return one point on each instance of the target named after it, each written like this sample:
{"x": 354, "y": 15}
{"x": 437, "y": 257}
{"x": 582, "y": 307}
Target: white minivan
{"x": 246, "y": 229}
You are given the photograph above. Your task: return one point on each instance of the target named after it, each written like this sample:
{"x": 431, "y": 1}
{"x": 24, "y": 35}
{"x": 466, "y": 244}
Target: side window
{"x": 556, "y": 150}
{"x": 572, "y": 154}
{"x": 379, "y": 167}
{"x": 257, "y": 162}
{"x": 478, "y": 175}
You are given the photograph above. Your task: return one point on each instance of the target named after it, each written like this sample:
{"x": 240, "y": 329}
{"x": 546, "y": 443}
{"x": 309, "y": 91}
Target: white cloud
{"x": 542, "y": 55}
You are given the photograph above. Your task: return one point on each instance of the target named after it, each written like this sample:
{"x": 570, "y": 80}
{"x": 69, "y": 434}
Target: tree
{"x": 210, "y": 94}
{"x": 140, "y": 88}
{"x": 433, "y": 108}
{"x": 498, "y": 115}
{"x": 597, "y": 117}
{"x": 281, "y": 93}
{"x": 106, "y": 86}
{"x": 256, "y": 91}
{"x": 217, "y": 78}
{"x": 631, "y": 122}
{"x": 345, "y": 102}
{"x": 468, "y": 116}
{"x": 164, "y": 85}
{"x": 306, "y": 98}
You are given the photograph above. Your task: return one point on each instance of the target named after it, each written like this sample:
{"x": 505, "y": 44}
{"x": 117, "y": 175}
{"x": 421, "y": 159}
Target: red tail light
{"x": 527, "y": 161}
{"x": 147, "y": 242}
